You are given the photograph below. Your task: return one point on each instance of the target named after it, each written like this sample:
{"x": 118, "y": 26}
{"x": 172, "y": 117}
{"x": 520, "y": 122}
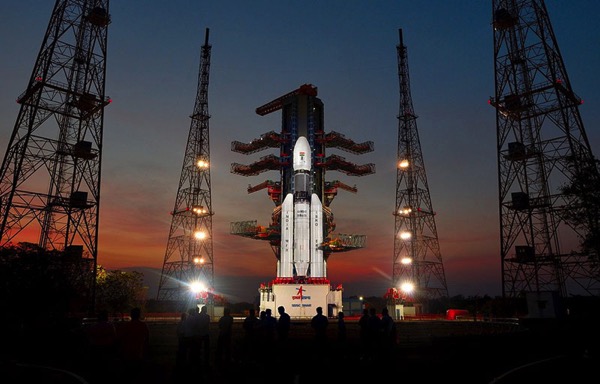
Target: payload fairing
{"x": 302, "y": 221}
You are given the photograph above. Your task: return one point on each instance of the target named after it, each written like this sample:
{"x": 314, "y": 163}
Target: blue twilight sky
{"x": 264, "y": 49}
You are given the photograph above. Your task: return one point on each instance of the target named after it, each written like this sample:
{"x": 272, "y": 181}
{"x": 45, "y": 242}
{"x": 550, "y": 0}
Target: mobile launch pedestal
{"x": 301, "y": 284}
{"x": 301, "y": 300}
{"x": 302, "y": 224}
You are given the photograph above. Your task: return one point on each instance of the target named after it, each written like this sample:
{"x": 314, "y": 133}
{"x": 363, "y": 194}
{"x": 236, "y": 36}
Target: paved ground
{"x": 428, "y": 351}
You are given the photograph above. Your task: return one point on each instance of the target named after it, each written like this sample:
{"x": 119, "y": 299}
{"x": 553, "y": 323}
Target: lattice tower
{"x": 417, "y": 257}
{"x": 189, "y": 254}
{"x": 541, "y": 147}
{"x": 50, "y": 175}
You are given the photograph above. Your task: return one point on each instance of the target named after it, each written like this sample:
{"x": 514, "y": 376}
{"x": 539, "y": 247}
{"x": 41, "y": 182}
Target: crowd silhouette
{"x": 258, "y": 346}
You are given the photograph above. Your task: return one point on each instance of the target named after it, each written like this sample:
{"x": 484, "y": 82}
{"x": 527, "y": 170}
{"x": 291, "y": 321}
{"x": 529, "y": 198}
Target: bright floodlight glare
{"x": 200, "y": 235}
{"x": 405, "y": 211}
{"x": 407, "y": 287}
{"x": 406, "y": 260}
{"x": 197, "y": 287}
{"x": 198, "y": 260}
{"x": 202, "y": 164}
{"x": 403, "y": 163}
{"x": 199, "y": 210}
{"x": 405, "y": 235}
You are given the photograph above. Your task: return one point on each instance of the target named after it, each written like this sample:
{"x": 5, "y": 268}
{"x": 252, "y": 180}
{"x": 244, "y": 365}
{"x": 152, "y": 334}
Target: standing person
{"x": 204, "y": 334}
{"x": 388, "y": 329}
{"x": 224, "y": 338}
{"x": 191, "y": 338}
{"x": 363, "y": 333}
{"x": 250, "y": 326}
{"x": 319, "y": 323}
{"x": 341, "y": 329}
{"x": 102, "y": 342}
{"x": 373, "y": 332}
{"x": 283, "y": 326}
{"x": 134, "y": 340}
{"x": 269, "y": 324}
{"x": 261, "y": 334}
{"x": 181, "y": 354}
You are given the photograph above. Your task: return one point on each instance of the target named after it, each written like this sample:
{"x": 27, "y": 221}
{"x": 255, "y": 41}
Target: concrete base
{"x": 301, "y": 300}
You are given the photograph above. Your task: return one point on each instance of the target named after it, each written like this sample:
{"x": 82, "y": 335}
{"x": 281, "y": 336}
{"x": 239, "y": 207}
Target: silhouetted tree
{"x": 583, "y": 215}
{"x": 47, "y": 283}
{"x": 118, "y": 291}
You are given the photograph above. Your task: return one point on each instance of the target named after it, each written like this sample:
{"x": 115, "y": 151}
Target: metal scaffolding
{"x": 189, "y": 255}
{"x": 50, "y": 175}
{"x": 542, "y": 148}
{"x": 417, "y": 258}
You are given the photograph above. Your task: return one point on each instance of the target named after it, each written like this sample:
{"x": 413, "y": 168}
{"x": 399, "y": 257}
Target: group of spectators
{"x": 267, "y": 335}
{"x": 377, "y": 334}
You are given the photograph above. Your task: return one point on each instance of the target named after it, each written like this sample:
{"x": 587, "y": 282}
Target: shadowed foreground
{"x": 472, "y": 352}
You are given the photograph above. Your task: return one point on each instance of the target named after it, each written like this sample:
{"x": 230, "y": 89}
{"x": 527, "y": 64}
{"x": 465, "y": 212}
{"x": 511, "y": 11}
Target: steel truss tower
{"x": 417, "y": 257}
{"x": 189, "y": 254}
{"x": 50, "y": 175}
{"x": 541, "y": 147}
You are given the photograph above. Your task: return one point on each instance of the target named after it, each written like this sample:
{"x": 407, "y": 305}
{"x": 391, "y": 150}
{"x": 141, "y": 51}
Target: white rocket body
{"x": 301, "y": 221}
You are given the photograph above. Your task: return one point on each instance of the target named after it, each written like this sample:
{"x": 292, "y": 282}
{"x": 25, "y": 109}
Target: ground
{"x": 428, "y": 351}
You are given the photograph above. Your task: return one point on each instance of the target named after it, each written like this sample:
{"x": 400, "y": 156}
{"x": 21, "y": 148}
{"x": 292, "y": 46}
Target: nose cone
{"x": 302, "y": 155}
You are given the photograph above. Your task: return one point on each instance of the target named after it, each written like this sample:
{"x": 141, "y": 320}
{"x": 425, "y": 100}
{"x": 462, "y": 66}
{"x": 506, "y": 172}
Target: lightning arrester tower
{"x": 50, "y": 175}
{"x": 189, "y": 256}
{"x": 541, "y": 147}
{"x": 417, "y": 258}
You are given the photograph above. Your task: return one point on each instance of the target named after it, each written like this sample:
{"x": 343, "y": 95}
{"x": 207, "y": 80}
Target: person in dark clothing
{"x": 224, "y": 338}
{"x": 319, "y": 323}
{"x": 204, "y": 334}
{"x": 341, "y": 329}
{"x": 388, "y": 333}
{"x": 363, "y": 333}
{"x": 250, "y": 326}
{"x": 283, "y": 325}
{"x": 373, "y": 333}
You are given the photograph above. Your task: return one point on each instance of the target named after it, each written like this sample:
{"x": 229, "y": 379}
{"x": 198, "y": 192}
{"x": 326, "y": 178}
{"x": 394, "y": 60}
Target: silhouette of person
{"x": 134, "y": 340}
{"x": 388, "y": 329}
{"x": 102, "y": 341}
{"x": 262, "y": 331}
{"x": 224, "y": 338}
{"x": 191, "y": 337}
{"x": 204, "y": 334}
{"x": 102, "y": 337}
{"x": 269, "y": 327}
{"x": 283, "y": 325}
{"x": 341, "y": 329}
{"x": 363, "y": 333}
{"x": 250, "y": 326}
{"x": 373, "y": 332}
{"x": 319, "y": 323}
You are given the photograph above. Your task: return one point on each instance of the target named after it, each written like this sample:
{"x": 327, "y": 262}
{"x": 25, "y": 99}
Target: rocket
{"x": 301, "y": 221}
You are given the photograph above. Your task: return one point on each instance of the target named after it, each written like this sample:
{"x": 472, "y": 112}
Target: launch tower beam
{"x": 189, "y": 255}
{"x": 542, "y": 147}
{"x": 50, "y": 175}
{"x": 417, "y": 256}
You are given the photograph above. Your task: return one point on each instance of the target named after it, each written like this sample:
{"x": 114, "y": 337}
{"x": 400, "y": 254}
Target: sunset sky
{"x": 264, "y": 49}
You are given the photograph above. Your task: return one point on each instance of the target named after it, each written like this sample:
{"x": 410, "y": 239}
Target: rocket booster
{"x": 301, "y": 221}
